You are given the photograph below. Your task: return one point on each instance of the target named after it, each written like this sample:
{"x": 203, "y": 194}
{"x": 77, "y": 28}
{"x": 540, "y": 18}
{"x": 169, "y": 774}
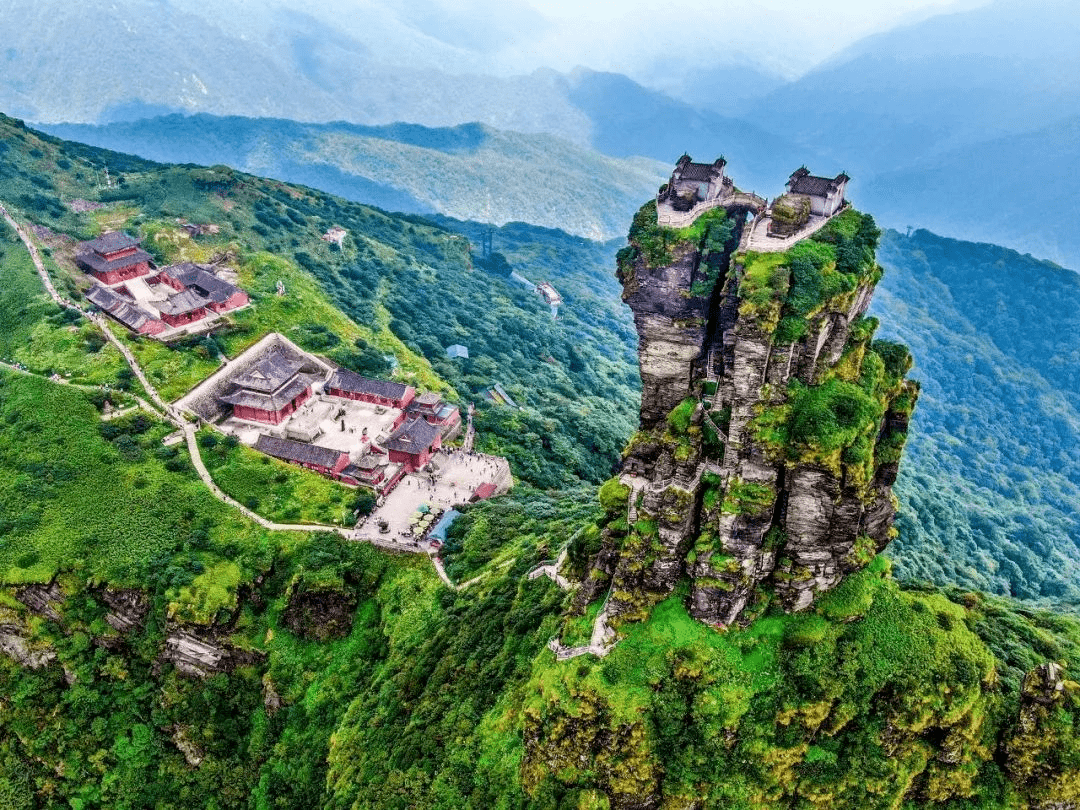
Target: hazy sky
{"x": 790, "y": 36}
{"x": 640, "y": 37}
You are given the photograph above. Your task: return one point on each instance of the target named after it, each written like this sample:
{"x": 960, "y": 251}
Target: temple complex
{"x": 164, "y": 303}
{"x": 300, "y": 408}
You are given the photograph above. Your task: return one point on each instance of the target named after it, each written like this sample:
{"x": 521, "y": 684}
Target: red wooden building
{"x": 219, "y": 295}
{"x": 183, "y": 308}
{"x": 270, "y": 390}
{"x": 412, "y": 444}
{"x": 325, "y": 460}
{"x": 113, "y": 257}
{"x": 376, "y": 471}
{"x": 431, "y": 408}
{"x": 350, "y": 385}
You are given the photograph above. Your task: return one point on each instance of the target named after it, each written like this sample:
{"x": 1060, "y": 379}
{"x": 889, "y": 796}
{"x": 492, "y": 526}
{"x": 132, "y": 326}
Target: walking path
{"x": 470, "y": 432}
{"x": 636, "y": 484}
{"x": 603, "y": 638}
{"x": 441, "y": 571}
{"x": 38, "y": 263}
{"x": 171, "y": 414}
{"x": 550, "y": 569}
{"x": 600, "y": 643}
{"x": 204, "y": 474}
{"x": 760, "y": 241}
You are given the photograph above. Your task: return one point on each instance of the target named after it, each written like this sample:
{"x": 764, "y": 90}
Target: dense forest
{"x": 990, "y": 484}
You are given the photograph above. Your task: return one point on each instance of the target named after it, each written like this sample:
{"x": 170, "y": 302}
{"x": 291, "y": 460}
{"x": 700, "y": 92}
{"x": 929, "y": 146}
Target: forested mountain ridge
{"x": 470, "y": 171}
{"x": 992, "y": 490}
{"x": 352, "y": 678}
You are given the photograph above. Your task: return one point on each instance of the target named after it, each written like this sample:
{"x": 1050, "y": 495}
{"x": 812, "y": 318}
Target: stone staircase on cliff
{"x": 603, "y": 639}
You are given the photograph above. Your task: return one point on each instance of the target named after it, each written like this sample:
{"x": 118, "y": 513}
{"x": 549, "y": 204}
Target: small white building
{"x": 335, "y": 235}
{"x": 826, "y": 194}
{"x": 692, "y": 189}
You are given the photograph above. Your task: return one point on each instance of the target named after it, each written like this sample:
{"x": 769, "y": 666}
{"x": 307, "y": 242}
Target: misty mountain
{"x": 951, "y": 80}
{"x": 114, "y": 61}
{"x": 964, "y": 123}
{"x": 1014, "y": 190}
{"x": 468, "y": 172}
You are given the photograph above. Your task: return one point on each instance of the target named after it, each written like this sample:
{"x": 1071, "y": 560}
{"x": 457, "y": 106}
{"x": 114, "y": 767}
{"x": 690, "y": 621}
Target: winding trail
{"x": 441, "y": 571}
{"x": 169, "y": 413}
{"x": 38, "y": 263}
{"x": 551, "y": 568}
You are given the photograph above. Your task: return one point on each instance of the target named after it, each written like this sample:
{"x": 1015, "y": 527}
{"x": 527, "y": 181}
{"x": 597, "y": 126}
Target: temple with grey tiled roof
{"x": 413, "y": 443}
{"x": 270, "y": 390}
{"x": 693, "y": 185}
{"x": 218, "y": 295}
{"x": 113, "y": 257}
{"x": 350, "y": 385}
{"x": 826, "y": 194}
{"x": 325, "y": 460}
{"x": 124, "y": 310}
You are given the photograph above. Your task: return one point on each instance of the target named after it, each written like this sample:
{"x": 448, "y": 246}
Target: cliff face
{"x": 771, "y": 422}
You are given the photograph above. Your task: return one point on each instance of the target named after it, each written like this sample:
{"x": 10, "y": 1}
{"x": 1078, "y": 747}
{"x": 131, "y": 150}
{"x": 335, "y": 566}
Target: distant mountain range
{"x": 468, "y": 172}
{"x": 963, "y": 122}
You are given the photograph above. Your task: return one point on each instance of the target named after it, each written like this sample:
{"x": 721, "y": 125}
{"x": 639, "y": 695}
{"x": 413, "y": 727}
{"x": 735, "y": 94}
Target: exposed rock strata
{"x": 127, "y": 608}
{"x": 747, "y": 516}
{"x": 43, "y": 600}
{"x": 16, "y": 644}
{"x": 199, "y": 654}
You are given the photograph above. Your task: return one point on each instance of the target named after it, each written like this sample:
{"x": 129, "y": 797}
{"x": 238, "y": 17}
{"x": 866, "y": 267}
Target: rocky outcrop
{"x": 590, "y": 741}
{"x": 671, "y": 327}
{"x": 43, "y": 600}
{"x": 16, "y": 644}
{"x": 1038, "y": 756}
{"x": 198, "y": 653}
{"x": 127, "y": 608}
{"x": 771, "y": 423}
{"x": 193, "y": 755}
{"x": 319, "y": 611}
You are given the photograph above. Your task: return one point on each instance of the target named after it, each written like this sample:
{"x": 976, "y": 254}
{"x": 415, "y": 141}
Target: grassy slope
{"x": 281, "y": 492}
{"x": 37, "y": 333}
{"x": 110, "y": 508}
{"x": 847, "y": 705}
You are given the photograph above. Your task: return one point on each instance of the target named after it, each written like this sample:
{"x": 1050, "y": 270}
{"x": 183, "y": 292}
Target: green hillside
{"x": 365, "y": 683}
{"x": 991, "y": 482}
{"x": 400, "y": 286}
{"x": 161, "y": 650}
{"x": 470, "y": 171}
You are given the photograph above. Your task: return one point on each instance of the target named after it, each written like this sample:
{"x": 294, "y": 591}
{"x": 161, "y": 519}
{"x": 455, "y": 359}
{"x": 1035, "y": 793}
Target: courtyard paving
{"x": 456, "y": 475}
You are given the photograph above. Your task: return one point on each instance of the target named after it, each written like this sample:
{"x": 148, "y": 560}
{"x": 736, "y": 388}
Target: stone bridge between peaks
{"x": 739, "y": 202}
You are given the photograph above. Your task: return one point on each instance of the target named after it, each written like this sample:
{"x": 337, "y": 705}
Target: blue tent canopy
{"x": 438, "y": 531}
